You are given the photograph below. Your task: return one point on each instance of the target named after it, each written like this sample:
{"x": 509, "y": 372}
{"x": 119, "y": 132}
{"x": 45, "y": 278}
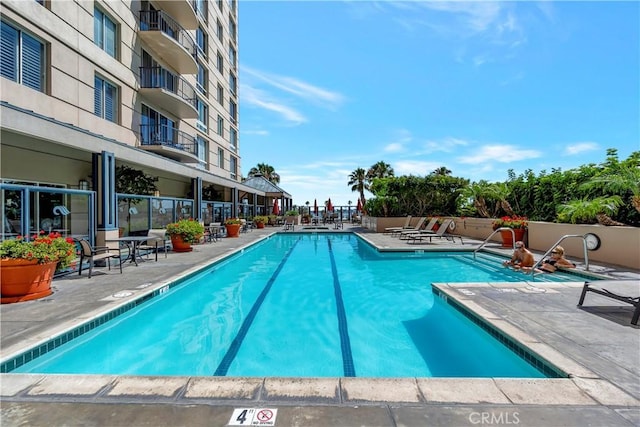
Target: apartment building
{"x": 88, "y": 87}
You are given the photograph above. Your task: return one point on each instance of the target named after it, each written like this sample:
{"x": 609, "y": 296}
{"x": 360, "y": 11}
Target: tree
{"x": 134, "y": 181}
{"x": 265, "y": 170}
{"x": 379, "y": 170}
{"x": 358, "y": 182}
{"x": 442, "y": 170}
{"x": 619, "y": 178}
{"x": 478, "y": 192}
{"x": 585, "y": 211}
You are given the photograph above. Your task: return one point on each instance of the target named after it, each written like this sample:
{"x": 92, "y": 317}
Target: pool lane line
{"x": 228, "y": 358}
{"x": 345, "y": 342}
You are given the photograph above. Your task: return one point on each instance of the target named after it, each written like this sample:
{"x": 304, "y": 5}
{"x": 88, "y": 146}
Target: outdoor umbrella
{"x": 276, "y": 208}
{"x": 329, "y": 205}
{"x": 359, "y": 207}
{"x": 315, "y": 206}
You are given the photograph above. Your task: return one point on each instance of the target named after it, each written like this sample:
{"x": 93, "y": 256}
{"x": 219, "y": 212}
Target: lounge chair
{"x": 407, "y": 233}
{"x": 634, "y": 301}
{"x": 97, "y": 253}
{"x": 404, "y": 227}
{"x": 289, "y": 225}
{"x": 415, "y": 229}
{"x": 441, "y": 233}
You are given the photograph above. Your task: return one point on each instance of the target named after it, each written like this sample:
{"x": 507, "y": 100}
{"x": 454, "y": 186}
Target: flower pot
{"x": 259, "y": 224}
{"x": 180, "y": 245}
{"x": 23, "y": 280}
{"x": 233, "y": 230}
{"x": 507, "y": 237}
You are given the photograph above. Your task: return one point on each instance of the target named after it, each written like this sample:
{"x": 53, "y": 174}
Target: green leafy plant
{"x": 44, "y": 248}
{"x": 292, "y": 212}
{"x": 231, "y": 221}
{"x": 261, "y": 219}
{"x": 189, "y": 229}
{"x": 511, "y": 222}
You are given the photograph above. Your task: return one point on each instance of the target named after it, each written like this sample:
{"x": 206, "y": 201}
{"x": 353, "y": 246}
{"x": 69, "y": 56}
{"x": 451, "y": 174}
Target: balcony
{"x": 169, "y": 142}
{"x": 171, "y": 92}
{"x": 183, "y": 11}
{"x": 168, "y": 40}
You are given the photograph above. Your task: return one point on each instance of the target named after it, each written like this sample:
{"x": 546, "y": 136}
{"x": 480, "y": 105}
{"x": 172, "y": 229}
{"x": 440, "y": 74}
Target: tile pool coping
{"x": 582, "y": 388}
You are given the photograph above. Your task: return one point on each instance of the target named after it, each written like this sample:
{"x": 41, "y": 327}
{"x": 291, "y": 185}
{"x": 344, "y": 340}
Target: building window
{"x": 201, "y": 8}
{"x": 232, "y": 56}
{"x": 22, "y": 57}
{"x": 221, "y": 126}
{"x": 232, "y": 28}
{"x": 105, "y": 100}
{"x": 202, "y": 150}
{"x": 201, "y": 42}
{"x": 203, "y": 115}
{"x": 220, "y": 63}
{"x": 220, "y": 4}
{"x": 233, "y": 111}
{"x": 202, "y": 79}
{"x": 220, "y": 94}
{"x": 233, "y": 83}
{"x": 104, "y": 30}
{"x": 219, "y": 31}
{"x": 221, "y": 158}
{"x": 233, "y": 139}
{"x": 233, "y": 166}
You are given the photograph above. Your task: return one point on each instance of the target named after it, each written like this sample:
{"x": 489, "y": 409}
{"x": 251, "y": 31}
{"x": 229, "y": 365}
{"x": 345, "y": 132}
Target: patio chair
{"x": 289, "y": 225}
{"x": 406, "y": 233}
{"x": 441, "y": 233}
{"x": 406, "y": 226}
{"x": 418, "y": 227}
{"x": 97, "y": 253}
{"x": 157, "y": 240}
{"x": 634, "y": 301}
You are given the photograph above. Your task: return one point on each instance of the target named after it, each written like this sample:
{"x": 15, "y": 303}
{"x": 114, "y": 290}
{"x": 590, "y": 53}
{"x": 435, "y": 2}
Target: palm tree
{"x": 442, "y": 170}
{"x": 583, "y": 211}
{"x": 379, "y": 170}
{"x": 625, "y": 179}
{"x": 479, "y": 192}
{"x": 358, "y": 182}
{"x": 265, "y": 170}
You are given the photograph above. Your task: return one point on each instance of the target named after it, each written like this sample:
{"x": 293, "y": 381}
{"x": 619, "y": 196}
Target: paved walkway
{"x": 597, "y": 345}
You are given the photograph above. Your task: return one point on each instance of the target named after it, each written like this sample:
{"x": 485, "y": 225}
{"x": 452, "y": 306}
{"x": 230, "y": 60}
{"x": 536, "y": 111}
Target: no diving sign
{"x": 253, "y": 417}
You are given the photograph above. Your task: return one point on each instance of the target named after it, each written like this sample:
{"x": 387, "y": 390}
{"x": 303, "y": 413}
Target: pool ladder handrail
{"x": 513, "y": 239}
{"x": 533, "y": 269}
{"x": 566, "y": 236}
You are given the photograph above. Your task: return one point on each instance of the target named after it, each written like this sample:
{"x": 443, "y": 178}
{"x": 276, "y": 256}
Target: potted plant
{"x": 292, "y": 216}
{"x": 260, "y": 220}
{"x": 517, "y": 223}
{"x": 233, "y": 227}
{"x": 27, "y": 267}
{"x": 183, "y": 233}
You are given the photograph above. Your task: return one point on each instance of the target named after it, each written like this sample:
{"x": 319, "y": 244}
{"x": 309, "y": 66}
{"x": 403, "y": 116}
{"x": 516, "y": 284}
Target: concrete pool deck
{"x": 597, "y": 345}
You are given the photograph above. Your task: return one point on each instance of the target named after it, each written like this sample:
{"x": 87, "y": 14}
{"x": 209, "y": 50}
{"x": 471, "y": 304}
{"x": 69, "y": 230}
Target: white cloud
{"x": 260, "y": 99}
{"x": 255, "y": 132}
{"x": 580, "y": 147}
{"x": 414, "y": 167}
{"x": 314, "y": 94}
{"x": 498, "y": 154}
{"x": 394, "y": 147}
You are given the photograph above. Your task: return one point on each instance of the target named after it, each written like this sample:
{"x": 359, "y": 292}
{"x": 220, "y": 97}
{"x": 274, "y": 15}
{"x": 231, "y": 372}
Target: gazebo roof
{"x": 261, "y": 183}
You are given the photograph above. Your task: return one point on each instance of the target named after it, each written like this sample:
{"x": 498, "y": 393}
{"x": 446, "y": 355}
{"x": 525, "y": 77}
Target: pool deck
{"x": 595, "y": 344}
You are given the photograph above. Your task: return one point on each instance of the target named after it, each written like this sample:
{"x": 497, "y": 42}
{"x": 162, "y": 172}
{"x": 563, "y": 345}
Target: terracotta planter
{"x": 507, "y": 237}
{"x": 180, "y": 245}
{"x": 233, "y": 230}
{"x": 23, "y": 280}
{"x": 259, "y": 224}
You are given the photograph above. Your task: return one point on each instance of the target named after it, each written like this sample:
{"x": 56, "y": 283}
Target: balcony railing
{"x": 160, "y": 78}
{"x": 168, "y": 136}
{"x": 157, "y": 20}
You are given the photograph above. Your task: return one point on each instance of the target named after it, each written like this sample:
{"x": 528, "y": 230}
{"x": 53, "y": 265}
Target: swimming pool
{"x": 301, "y": 305}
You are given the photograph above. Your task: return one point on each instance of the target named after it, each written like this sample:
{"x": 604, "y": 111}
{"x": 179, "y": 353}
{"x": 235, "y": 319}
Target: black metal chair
{"x": 97, "y": 253}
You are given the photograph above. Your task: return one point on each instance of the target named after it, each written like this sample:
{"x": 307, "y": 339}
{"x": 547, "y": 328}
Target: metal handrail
{"x": 513, "y": 239}
{"x": 566, "y": 236}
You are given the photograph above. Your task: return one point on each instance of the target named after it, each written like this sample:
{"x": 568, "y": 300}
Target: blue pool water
{"x": 301, "y": 305}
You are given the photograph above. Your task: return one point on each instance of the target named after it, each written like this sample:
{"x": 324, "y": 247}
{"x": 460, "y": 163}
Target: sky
{"x": 478, "y": 87}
